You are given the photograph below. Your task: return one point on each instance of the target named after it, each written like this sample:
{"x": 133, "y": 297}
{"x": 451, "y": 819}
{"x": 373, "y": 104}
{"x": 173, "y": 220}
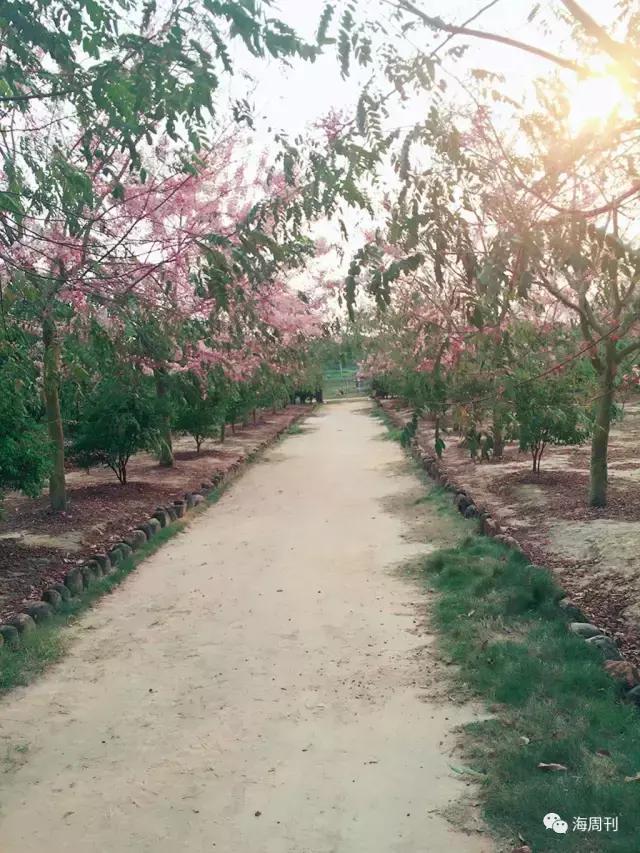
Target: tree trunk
{"x": 222, "y": 433}
{"x": 600, "y": 438}
{"x": 498, "y": 435}
{"x": 165, "y": 449}
{"x": 51, "y": 384}
{"x": 436, "y": 438}
{"x": 536, "y": 453}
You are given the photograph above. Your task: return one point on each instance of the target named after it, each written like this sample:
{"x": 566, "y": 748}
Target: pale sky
{"x": 290, "y": 99}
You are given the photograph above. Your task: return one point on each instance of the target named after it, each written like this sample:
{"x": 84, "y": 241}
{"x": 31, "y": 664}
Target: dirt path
{"x": 258, "y": 686}
{"x": 37, "y": 547}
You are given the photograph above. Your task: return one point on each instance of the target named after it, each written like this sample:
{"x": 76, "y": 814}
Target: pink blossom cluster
{"x": 152, "y": 240}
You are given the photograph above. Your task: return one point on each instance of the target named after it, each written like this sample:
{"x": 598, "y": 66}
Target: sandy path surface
{"x": 257, "y": 686}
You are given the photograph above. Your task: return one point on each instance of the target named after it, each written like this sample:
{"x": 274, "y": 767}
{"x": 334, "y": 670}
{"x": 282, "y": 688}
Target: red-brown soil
{"x": 37, "y": 546}
{"x": 595, "y": 553}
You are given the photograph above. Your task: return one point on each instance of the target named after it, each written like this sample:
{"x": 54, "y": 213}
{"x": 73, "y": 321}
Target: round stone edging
{"x": 80, "y": 578}
{"x": 463, "y": 501}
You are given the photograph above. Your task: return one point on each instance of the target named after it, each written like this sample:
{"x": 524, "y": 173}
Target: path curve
{"x": 255, "y": 686}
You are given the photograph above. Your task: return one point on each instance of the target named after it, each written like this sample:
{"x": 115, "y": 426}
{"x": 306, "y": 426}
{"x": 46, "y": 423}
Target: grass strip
{"x": 552, "y": 703}
{"x": 42, "y": 647}
{"x": 48, "y": 643}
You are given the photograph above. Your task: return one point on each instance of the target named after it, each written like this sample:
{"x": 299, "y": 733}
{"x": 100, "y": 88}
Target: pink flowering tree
{"x": 184, "y": 252}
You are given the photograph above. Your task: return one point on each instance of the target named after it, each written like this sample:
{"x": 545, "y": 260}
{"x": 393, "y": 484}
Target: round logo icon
{"x": 554, "y": 821}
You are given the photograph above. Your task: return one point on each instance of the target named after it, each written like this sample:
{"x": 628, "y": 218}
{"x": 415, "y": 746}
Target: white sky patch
{"x": 294, "y": 97}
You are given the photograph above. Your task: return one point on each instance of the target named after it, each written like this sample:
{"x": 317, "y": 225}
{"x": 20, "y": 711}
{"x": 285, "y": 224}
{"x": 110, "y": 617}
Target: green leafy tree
{"x": 548, "y": 409}
{"x": 242, "y": 401}
{"x": 24, "y": 448}
{"x": 201, "y": 406}
{"x": 119, "y": 418}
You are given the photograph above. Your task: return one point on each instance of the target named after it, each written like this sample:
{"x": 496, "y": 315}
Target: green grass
{"x": 336, "y": 381}
{"x": 394, "y": 433}
{"x": 501, "y": 624}
{"x": 551, "y": 701}
{"x": 437, "y": 498}
{"x": 48, "y": 643}
{"x": 42, "y": 647}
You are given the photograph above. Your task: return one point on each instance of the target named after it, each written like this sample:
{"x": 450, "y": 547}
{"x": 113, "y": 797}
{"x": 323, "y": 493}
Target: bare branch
{"x": 620, "y": 52}
{"x": 438, "y": 24}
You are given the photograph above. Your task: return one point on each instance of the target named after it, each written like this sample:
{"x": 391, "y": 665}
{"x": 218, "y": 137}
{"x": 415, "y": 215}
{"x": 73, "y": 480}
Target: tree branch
{"x": 620, "y": 52}
{"x": 438, "y": 24}
{"x": 625, "y": 351}
{"x": 35, "y": 96}
{"x": 594, "y": 211}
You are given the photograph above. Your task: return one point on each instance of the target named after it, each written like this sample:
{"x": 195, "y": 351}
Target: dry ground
{"x": 595, "y": 552}
{"x": 266, "y": 683}
{"x": 38, "y": 546}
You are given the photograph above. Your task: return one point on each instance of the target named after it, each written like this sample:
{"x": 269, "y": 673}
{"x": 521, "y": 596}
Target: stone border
{"x": 83, "y": 577}
{"x": 619, "y": 668}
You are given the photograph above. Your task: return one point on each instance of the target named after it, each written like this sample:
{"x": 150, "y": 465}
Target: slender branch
{"x": 593, "y": 211}
{"x": 438, "y": 24}
{"x": 470, "y": 20}
{"x": 620, "y": 52}
{"x": 595, "y": 359}
{"x": 554, "y": 291}
{"x": 625, "y": 351}
{"x": 35, "y": 96}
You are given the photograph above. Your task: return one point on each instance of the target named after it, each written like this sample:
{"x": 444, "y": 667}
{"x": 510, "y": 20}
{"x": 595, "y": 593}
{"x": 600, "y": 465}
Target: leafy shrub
{"x": 548, "y": 410}
{"x": 119, "y": 418}
{"x": 201, "y": 408}
{"x": 24, "y": 446}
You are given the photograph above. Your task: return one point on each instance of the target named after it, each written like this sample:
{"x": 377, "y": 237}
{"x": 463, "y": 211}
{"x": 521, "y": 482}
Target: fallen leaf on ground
{"x": 466, "y": 770}
{"x": 623, "y": 670}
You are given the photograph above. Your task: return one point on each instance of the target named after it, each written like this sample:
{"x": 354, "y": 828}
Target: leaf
{"x": 552, "y": 767}
{"x": 325, "y": 20}
{"x": 344, "y": 42}
{"x": 624, "y": 671}
{"x": 10, "y": 203}
{"x": 467, "y": 771}
{"x": 533, "y": 12}
{"x": 524, "y": 283}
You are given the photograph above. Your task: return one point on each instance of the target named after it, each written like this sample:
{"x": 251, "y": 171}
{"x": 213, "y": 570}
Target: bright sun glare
{"x": 594, "y": 100}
